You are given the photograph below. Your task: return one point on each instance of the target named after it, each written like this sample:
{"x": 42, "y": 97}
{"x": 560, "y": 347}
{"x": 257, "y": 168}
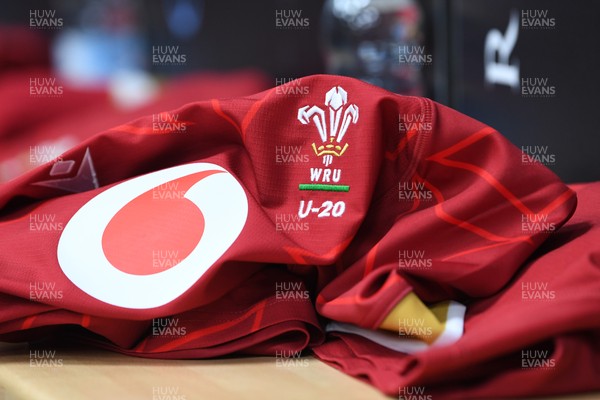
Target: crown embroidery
{"x": 340, "y": 117}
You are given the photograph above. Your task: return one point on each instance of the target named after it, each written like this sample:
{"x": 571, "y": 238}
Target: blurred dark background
{"x": 528, "y": 68}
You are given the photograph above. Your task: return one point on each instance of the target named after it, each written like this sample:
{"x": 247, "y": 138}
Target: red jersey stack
{"x": 390, "y": 234}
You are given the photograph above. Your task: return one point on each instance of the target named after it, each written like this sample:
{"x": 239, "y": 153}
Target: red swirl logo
{"x": 146, "y": 241}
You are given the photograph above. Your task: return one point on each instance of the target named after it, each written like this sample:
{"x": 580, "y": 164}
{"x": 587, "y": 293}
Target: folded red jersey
{"x": 255, "y": 225}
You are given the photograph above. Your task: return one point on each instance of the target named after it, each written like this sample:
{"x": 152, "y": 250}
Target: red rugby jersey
{"x": 245, "y": 225}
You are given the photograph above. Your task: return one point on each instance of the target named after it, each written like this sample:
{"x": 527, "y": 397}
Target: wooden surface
{"x": 85, "y": 373}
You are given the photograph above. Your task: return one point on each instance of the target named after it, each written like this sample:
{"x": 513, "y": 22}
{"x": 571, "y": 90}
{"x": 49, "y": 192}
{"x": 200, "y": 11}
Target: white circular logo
{"x": 144, "y": 242}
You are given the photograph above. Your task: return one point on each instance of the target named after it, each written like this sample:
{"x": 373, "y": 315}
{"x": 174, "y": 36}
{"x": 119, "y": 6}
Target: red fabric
{"x": 471, "y": 227}
{"x": 29, "y": 117}
{"x": 28, "y": 121}
{"x": 22, "y": 47}
{"x": 487, "y": 362}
